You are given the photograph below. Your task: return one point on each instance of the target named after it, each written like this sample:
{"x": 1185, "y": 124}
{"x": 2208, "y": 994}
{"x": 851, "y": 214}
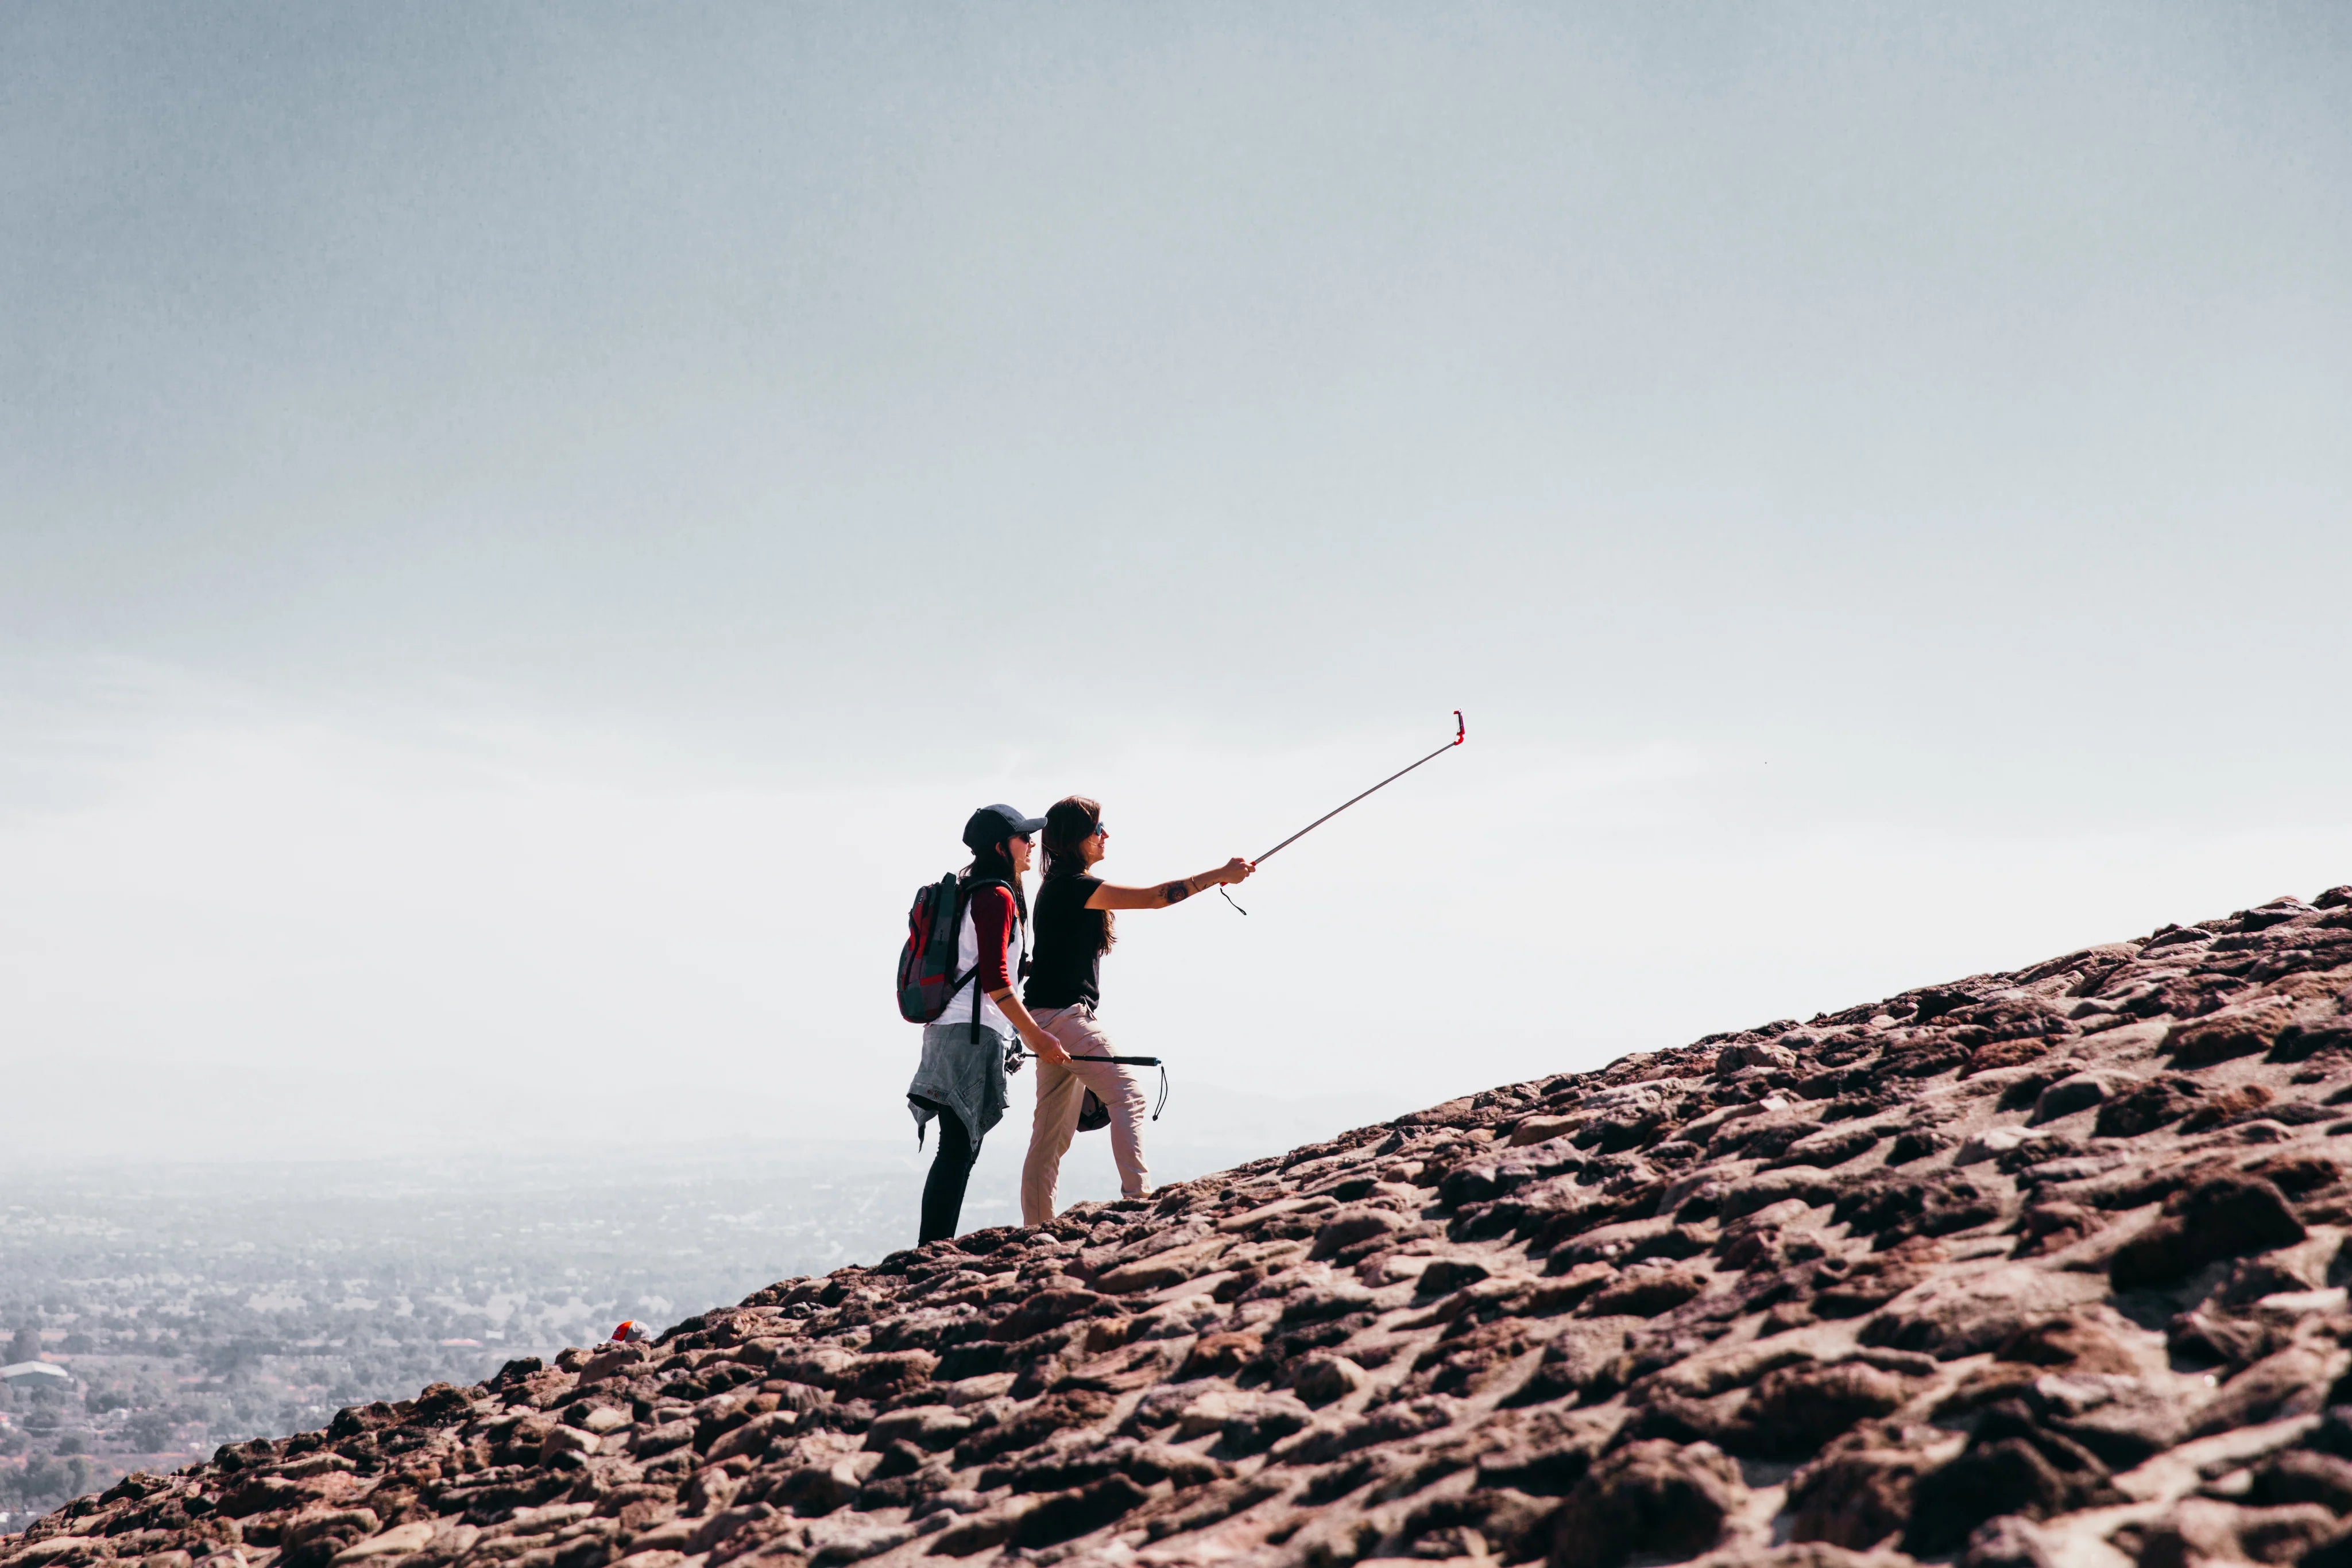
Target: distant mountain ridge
{"x": 2033, "y": 1268}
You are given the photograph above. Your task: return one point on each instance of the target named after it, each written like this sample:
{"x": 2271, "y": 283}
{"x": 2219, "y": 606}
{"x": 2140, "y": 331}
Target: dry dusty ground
{"x": 2032, "y": 1268}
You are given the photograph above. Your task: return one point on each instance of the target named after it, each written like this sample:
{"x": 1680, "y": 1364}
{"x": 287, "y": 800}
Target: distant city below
{"x": 149, "y": 1315}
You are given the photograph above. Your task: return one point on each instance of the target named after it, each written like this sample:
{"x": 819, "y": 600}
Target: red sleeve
{"x": 992, "y": 926}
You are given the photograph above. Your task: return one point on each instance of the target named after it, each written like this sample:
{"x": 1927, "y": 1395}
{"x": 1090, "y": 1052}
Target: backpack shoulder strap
{"x": 971, "y": 887}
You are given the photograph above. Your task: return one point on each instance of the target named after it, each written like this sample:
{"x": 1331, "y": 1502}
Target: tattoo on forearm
{"x": 1176, "y": 893}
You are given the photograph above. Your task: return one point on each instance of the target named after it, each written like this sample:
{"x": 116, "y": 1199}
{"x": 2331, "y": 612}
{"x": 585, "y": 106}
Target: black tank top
{"x": 1064, "y": 968}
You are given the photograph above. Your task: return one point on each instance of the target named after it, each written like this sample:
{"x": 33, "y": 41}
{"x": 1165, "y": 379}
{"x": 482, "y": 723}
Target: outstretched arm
{"x": 1108, "y": 896}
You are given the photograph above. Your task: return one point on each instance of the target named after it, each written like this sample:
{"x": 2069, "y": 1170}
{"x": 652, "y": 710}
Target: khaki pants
{"x": 1060, "y": 1091}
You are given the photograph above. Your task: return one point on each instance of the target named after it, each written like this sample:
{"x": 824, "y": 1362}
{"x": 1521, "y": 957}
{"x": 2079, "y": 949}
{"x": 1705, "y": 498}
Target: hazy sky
{"x": 524, "y": 530}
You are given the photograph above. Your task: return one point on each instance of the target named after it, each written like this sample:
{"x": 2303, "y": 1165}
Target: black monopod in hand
{"x": 1461, "y": 733}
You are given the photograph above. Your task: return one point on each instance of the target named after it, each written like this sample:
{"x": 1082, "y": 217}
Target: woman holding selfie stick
{"x": 1074, "y": 930}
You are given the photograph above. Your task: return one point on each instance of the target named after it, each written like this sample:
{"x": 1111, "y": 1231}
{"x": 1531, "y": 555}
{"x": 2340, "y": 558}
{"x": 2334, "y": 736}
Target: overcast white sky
{"x": 523, "y": 532}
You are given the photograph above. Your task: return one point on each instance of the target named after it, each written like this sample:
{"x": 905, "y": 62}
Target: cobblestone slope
{"x": 2041, "y": 1268}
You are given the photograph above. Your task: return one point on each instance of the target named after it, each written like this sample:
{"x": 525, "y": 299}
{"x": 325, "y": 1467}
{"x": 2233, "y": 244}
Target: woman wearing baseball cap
{"x": 961, "y": 1080}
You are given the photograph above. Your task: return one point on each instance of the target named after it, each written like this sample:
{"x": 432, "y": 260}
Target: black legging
{"x": 950, "y": 1168}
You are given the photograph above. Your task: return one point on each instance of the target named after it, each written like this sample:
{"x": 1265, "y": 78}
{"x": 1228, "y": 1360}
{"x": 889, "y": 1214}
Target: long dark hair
{"x": 996, "y": 860}
{"x": 1069, "y": 822}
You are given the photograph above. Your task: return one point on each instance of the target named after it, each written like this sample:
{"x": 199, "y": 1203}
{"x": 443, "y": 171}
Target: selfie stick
{"x": 1461, "y": 733}
{"x": 1114, "y": 1060}
{"x": 1123, "y": 1062}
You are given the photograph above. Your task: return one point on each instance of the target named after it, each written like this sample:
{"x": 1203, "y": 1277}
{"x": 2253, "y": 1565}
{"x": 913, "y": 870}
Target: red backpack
{"x": 928, "y": 980}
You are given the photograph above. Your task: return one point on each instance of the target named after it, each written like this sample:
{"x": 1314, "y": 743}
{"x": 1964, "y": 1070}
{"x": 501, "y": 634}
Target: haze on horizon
{"x": 524, "y": 532}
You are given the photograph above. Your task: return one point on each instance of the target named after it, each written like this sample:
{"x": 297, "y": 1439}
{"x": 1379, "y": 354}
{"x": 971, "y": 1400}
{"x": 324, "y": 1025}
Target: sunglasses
{"x": 1100, "y": 831}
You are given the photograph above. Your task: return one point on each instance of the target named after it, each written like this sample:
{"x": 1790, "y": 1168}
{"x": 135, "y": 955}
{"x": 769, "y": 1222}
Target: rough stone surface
{"x": 2026, "y": 1269}
{"x": 1657, "y": 1498}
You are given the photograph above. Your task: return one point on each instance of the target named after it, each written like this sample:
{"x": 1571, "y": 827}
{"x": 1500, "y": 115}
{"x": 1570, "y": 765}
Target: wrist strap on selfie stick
{"x": 1129, "y": 1061}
